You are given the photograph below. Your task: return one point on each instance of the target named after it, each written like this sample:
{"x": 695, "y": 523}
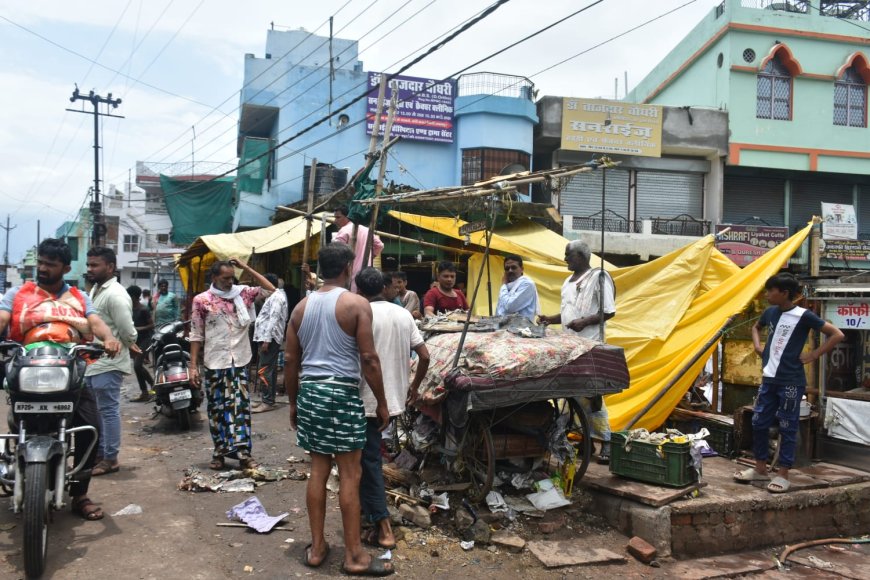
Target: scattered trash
{"x": 252, "y": 512}
{"x": 388, "y": 555}
{"x": 522, "y": 481}
{"x": 289, "y": 541}
{"x": 405, "y": 460}
{"x": 249, "y": 569}
{"x": 466, "y": 546}
{"x": 233, "y": 480}
{"x": 496, "y": 502}
{"x": 294, "y": 459}
{"x": 549, "y": 497}
{"x": 245, "y": 485}
{"x": 131, "y": 510}
{"x": 819, "y": 563}
{"x": 440, "y": 501}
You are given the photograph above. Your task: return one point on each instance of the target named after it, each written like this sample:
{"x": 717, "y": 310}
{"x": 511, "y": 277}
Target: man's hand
{"x": 808, "y": 357}
{"x": 543, "y": 319}
{"x": 134, "y": 349}
{"x": 759, "y": 350}
{"x": 577, "y": 324}
{"x": 112, "y": 347}
{"x": 383, "y": 416}
{"x": 195, "y": 378}
{"x": 292, "y": 408}
{"x": 237, "y": 263}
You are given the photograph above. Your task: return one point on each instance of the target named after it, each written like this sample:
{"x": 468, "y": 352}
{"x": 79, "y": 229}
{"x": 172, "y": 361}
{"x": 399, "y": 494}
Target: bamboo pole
{"x": 312, "y": 178}
{"x": 379, "y": 185}
{"x": 373, "y": 142}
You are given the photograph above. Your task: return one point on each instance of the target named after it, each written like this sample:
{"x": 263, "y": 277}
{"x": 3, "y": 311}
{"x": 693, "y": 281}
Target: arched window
{"x": 850, "y": 99}
{"x": 773, "y": 91}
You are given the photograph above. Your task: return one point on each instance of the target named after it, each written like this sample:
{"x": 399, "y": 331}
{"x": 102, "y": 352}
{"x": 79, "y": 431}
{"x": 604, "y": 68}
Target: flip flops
{"x": 778, "y": 485}
{"x": 373, "y": 539}
{"x": 749, "y": 475}
{"x": 306, "y": 557}
{"x": 376, "y": 567}
{"x": 103, "y": 468}
{"x": 87, "y": 509}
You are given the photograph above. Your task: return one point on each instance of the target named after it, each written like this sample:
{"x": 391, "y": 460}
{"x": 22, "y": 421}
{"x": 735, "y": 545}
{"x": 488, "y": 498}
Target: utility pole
{"x": 6, "y": 248}
{"x": 99, "y": 228}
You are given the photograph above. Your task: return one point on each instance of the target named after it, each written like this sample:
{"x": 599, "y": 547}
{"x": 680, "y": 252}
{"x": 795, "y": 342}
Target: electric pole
{"x": 99, "y": 228}
{"x": 6, "y": 248}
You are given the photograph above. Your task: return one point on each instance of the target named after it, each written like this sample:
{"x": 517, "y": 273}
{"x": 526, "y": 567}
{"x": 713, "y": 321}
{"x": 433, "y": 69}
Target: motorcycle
{"x": 43, "y": 386}
{"x": 176, "y": 397}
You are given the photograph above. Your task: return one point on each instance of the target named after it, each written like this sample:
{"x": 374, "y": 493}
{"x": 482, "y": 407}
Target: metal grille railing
{"x": 613, "y": 222}
{"x": 487, "y": 83}
{"x": 681, "y": 225}
{"x": 849, "y": 9}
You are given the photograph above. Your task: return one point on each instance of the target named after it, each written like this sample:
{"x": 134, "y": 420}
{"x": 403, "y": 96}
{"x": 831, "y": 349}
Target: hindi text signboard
{"x": 839, "y": 222}
{"x": 611, "y": 127}
{"x": 424, "y": 111}
{"x": 744, "y": 244}
{"x": 849, "y": 315}
{"x": 848, "y": 250}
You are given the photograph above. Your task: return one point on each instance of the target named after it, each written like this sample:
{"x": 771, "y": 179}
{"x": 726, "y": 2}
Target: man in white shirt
{"x": 518, "y": 293}
{"x": 587, "y": 303}
{"x": 219, "y": 323}
{"x": 269, "y": 335}
{"x": 344, "y": 235}
{"x": 396, "y": 335}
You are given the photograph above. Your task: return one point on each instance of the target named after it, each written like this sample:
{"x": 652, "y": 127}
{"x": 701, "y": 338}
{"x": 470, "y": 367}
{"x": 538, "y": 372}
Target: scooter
{"x": 43, "y": 387}
{"x": 176, "y": 397}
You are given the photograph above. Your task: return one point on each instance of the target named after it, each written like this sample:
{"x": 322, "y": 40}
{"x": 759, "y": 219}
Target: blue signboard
{"x": 424, "y": 111}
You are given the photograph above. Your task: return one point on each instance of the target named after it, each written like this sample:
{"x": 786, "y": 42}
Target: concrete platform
{"x": 724, "y": 516}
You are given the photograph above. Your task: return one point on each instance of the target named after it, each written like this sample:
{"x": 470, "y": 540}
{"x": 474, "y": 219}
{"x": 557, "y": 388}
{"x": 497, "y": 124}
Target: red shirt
{"x": 443, "y": 303}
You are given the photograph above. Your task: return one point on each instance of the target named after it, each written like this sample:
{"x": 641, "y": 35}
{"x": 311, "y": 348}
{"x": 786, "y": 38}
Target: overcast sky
{"x": 178, "y": 64}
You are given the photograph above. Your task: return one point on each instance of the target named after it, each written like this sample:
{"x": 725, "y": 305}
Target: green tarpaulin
{"x": 252, "y": 175}
{"x": 199, "y": 208}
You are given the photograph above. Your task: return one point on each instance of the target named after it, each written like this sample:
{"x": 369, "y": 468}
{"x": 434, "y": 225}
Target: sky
{"x": 177, "y": 65}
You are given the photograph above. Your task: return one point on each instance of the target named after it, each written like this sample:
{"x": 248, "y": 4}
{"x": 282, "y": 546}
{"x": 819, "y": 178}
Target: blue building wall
{"x": 294, "y": 89}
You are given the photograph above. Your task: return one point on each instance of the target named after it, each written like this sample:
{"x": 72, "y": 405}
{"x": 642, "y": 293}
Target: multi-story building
{"x": 793, "y": 77}
{"x": 455, "y": 131}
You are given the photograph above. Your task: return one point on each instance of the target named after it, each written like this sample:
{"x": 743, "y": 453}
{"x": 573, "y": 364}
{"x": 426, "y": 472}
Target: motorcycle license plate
{"x": 179, "y": 396}
{"x": 43, "y": 407}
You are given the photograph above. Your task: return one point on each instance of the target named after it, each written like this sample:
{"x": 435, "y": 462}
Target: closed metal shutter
{"x": 747, "y": 198}
{"x": 863, "y": 210}
{"x": 582, "y": 195}
{"x": 807, "y": 198}
{"x": 667, "y": 195}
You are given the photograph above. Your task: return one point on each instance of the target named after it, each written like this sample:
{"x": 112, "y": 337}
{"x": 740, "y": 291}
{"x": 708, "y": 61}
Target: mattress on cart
{"x": 499, "y": 367}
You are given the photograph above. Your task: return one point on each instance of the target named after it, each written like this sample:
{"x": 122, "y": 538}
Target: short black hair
{"x": 55, "y": 249}
{"x": 216, "y": 268}
{"x": 342, "y": 209}
{"x": 514, "y": 258}
{"x": 135, "y": 292}
{"x": 389, "y": 277}
{"x": 162, "y": 281}
{"x": 400, "y": 275}
{"x": 370, "y": 282}
{"x": 784, "y": 282}
{"x": 107, "y": 254}
{"x": 272, "y": 278}
{"x": 333, "y": 259}
{"x": 146, "y": 292}
{"x": 446, "y": 265}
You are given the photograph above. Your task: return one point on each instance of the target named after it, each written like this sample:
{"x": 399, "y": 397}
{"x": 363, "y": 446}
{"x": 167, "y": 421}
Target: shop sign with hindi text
{"x": 424, "y": 111}
{"x": 743, "y": 244}
{"x": 613, "y": 127}
{"x": 848, "y": 315}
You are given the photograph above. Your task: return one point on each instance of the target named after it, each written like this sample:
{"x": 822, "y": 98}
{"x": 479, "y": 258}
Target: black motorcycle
{"x": 36, "y": 457}
{"x": 176, "y": 397}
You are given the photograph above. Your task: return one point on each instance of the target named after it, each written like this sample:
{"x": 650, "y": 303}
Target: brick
{"x": 509, "y": 542}
{"x": 681, "y": 519}
{"x": 730, "y": 518}
{"x": 641, "y": 549}
{"x": 699, "y": 519}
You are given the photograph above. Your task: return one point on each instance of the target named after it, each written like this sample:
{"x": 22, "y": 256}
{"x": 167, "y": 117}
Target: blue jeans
{"x": 107, "y": 391}
{"x": 781, "y": 402}
{"x": 372, "y": 496}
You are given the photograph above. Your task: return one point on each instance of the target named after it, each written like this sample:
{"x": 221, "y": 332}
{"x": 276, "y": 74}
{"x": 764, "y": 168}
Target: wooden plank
{"x": 572, "y": 553}
{"x": 653, "y": 495}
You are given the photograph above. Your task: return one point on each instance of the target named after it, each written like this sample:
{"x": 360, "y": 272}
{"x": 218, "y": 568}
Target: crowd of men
{"x": 346, "y": 369}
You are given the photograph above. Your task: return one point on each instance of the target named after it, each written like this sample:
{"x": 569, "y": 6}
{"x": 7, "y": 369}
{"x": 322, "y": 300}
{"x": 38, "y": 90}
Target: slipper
{"x": 248, "y": 463}
{"x": 103, "y": 468}
{"x": 778, "y": 485}
{"x": 263, "y": 408}
{"x": 81, "y": 508}
{"x": 749, "y": 475}
{"x": 603, "y": 459}
{"x": 306, "y": 557}
{"x": 373, "y": 539}
{"x": 376, "y": 567}
{"x": 217, "y": 463}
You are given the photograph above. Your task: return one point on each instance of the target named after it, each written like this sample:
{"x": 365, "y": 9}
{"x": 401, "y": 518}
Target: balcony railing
{"x": 849, "y": 9}
{"x": 613, "y": 222}
{"x": 682, "y": 225}
{"x": 499, "y": 85}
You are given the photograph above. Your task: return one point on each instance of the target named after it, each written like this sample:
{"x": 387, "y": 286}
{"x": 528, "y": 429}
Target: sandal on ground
{"x": 248, "y": 463}
{"x": 142, "y": 398}
{"x": 603, "y": 458}
{"x": 749, "y": 475}
{"x": 263, "y": 408}
{"x": 104, "y": 467}
{"x": 306, "y": 557}
{"x": 87, "y": 509}
{"x": 376, "y": 567}
{"x": 778, "y": 485}
{"x": 217, "y": 463}
{"x": 373, "y": 539}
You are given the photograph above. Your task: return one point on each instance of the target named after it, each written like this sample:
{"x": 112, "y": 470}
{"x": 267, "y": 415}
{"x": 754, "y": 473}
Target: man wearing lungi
{"x": 219, "y": 322}
{"x": 329, "y": 343}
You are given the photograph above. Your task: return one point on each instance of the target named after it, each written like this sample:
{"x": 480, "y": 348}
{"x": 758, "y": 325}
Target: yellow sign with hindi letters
{"x": 611, "y": 127}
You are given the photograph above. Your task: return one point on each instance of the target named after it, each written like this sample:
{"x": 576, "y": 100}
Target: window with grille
{"x": 163, "y": 239}
{"x": 480, "y": 164}
{"x": 131, "y": 243}
{"x": 850, "y": 100}
{"x": 773, "y": 92}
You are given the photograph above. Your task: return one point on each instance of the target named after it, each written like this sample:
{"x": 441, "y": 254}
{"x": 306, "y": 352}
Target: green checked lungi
{"x": 330, "y": 416}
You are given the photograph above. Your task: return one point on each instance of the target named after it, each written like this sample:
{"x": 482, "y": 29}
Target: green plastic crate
{"x": 642, "y": 461}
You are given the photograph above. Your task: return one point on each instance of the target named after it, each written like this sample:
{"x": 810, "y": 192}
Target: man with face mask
{"x": 219, "y": 323}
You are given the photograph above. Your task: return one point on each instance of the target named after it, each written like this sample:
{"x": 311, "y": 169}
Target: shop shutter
{"x": 746, "y": 198}
{"x": 863, "y": 210}
{"x": 667, "y": 195}
{"x": 582, "y": 196}
{"x": 807, "y": 197}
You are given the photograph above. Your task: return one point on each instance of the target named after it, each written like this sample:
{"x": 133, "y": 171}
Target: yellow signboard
{"x": 611, "y": 127}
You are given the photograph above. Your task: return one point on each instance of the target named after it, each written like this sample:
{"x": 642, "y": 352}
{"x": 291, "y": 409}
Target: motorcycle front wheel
{"x": 36, "y": 515}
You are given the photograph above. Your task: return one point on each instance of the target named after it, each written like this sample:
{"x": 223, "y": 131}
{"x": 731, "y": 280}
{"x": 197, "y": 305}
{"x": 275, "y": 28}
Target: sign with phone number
{"x": 854, "y": 315}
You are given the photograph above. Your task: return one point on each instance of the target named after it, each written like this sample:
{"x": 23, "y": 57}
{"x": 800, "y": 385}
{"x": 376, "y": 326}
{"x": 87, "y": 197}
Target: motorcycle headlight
{"x": 43, "y": 379}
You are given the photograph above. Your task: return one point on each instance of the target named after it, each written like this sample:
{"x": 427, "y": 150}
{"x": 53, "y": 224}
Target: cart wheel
{"x": 478, "y": 456}
{"x": 577, "y": 432}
